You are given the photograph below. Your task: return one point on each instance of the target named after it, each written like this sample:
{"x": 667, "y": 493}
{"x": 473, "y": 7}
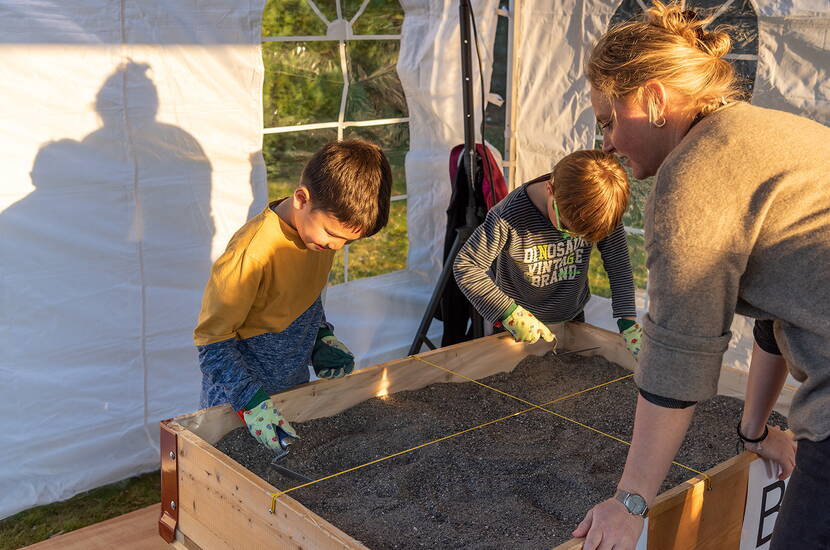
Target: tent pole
{"x": 469, "y": 155}
{"x": 470, "y": 159}
{"x": 513, "y": 69}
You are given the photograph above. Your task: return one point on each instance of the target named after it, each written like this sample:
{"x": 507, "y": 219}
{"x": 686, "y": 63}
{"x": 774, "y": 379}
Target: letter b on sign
{"x": 763, "y": 501}
{"x": 770, "y": 504}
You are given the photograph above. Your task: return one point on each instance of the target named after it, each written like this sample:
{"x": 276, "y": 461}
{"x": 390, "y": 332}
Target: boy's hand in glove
{"x": 266, "y": 423}
{"x": 632, "y": 334}
{"x": 524, "y": 326}
{"x": 331, "y": 358}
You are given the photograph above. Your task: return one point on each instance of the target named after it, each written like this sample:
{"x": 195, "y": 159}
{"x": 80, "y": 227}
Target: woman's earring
{"x": 659, "y": 123}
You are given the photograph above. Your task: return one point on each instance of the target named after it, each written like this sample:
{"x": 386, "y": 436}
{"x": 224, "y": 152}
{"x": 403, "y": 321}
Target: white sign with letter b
{"x": 763, "y": 500}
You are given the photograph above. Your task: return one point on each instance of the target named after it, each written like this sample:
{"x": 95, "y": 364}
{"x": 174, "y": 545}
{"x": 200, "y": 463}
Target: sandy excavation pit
{"x": 524, "y": 482}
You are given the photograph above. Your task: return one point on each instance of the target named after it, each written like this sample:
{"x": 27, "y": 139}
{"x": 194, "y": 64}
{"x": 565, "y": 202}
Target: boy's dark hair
{"x": 351, "y": 180}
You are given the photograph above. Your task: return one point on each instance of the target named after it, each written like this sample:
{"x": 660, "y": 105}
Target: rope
{"x": 533, "y": 407}
{"x": 706, "y": 478}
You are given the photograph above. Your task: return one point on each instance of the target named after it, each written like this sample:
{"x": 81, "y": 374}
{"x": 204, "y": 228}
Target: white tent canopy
{"x": 132, "y": 151}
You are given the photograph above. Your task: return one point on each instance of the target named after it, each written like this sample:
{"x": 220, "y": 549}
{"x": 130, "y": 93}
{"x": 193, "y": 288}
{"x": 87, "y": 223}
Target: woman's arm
{"x": 767, "y": 374}
{"x": 658, "y": 433}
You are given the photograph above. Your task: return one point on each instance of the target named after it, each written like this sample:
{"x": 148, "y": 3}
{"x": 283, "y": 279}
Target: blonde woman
{"x": 738, "y": 221}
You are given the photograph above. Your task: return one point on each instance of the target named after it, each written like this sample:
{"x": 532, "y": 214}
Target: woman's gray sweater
{"x": 739, "y": 221}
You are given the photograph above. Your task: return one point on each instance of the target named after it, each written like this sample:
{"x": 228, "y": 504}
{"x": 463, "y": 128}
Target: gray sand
{"x": 525, "y": 482}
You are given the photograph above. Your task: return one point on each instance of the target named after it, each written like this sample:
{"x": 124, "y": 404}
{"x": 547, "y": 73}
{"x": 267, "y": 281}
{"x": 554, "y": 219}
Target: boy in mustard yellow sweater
{"x": 262, "y": 319}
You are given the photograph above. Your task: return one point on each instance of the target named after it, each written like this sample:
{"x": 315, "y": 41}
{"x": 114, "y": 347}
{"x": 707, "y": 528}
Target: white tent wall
{"x": 553, "y": 100}
{"x": 429, "y": 66}
{"x": 131, "y": 152}
{"x": 794, "y": 57}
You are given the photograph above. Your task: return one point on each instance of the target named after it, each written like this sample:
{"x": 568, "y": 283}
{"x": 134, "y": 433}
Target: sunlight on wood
{"x": 694, "y": 502}
{"x": 383, "y": 386}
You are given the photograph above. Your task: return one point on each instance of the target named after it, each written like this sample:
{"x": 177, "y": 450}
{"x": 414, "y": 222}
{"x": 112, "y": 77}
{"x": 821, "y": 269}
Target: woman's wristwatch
{"x": 634, "y": 503}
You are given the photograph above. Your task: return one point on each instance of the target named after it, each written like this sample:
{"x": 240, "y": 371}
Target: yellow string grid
{"x": 533, "y": 407}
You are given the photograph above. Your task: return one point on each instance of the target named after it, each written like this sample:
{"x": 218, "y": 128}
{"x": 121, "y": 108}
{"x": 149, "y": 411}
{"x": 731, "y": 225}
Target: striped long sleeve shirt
{"x": 517, "y": 254}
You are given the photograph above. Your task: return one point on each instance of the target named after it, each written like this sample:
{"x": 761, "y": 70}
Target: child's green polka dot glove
{"x": 331, "y": 358}
{"x": 632, "y": 334}
{"x": 266, "y": 423}
{"x": 524, "y": 326}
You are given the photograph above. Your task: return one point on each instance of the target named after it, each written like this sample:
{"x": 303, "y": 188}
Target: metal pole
{"x": 470, "y": 168}
{"x": 469, "y": 156}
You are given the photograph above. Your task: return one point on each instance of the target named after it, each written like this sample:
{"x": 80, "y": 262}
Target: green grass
{"x": 598, "y": 279}
{"x": 278, "y": 189}
{"x": 42, "y": 522}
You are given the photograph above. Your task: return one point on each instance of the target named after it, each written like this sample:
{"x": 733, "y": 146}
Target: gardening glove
{"x": 524, "y": 326}
{"x": 632, "y": 334}
{"x": 266, "y": 423}
{"x": 331, "y": 358}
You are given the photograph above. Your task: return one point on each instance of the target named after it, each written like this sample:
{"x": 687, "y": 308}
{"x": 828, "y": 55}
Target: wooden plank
{"x": 137, "y": 530}
{"x": 612, "y": 346}
{"x": 211, "y": 424}
{"x": 184, "y": 543}
{"x": 690, "y": 517}
{"x": 477, "y": 359}
{"x": 224, "y": 506}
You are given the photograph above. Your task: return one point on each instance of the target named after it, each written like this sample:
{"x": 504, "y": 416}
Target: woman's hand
{"x": 779, "y": 447}
{"x": 609, "y": 525}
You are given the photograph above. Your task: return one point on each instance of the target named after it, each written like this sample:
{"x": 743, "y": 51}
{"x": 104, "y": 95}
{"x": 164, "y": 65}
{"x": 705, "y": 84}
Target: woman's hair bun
{"x": 669, "y": 45}
{"x": 688, "y": 25}
{"x": 716, "y": 43}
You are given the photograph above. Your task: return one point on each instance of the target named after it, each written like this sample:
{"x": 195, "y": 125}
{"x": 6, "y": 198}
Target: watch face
{"x": 635, "y": 504}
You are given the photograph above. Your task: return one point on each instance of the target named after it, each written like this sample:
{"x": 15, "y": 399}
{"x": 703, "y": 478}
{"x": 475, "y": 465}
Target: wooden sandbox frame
{"x": 211, "y": 502}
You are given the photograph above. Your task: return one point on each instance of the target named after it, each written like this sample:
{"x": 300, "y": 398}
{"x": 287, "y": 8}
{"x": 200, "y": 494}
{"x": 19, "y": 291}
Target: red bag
{"x": 455, "y": 310}
{"x": 493, "y": 186}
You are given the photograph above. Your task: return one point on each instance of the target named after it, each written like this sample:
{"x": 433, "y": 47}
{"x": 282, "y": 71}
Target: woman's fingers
{"x": 609, "y": 526}
{"x": 779, "y": 447}
{"x": 593, "y": 540}
{"x": 583, "y": 527}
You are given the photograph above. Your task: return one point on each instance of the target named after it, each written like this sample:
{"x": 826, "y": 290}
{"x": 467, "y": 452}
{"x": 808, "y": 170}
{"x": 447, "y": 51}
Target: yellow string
{"x": 706, "y": 478}
{"x": 275, "y": 496}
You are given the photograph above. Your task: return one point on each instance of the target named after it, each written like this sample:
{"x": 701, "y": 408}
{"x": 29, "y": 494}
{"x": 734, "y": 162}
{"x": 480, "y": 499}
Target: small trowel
{"x": 575, "y": 351}
{"x": 280, "y": 455}
{"x": 288, "y": 472}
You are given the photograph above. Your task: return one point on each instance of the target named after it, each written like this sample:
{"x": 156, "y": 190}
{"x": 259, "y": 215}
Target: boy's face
{"x": 319, "y": 230}
{"x": 555, "y": 218}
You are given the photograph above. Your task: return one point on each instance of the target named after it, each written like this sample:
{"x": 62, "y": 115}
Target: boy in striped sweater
{"x": 527, "y": 264}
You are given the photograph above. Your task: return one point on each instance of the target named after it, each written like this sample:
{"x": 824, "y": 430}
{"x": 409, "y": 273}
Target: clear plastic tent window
{"x": 330, "y": 71}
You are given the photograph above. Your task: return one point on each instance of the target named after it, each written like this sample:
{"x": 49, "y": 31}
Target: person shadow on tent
{"x": 170, "y": 176}
{"x": 113, "y": 242}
